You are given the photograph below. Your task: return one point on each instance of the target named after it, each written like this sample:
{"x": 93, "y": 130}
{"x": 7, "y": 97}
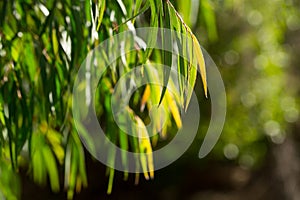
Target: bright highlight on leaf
{"x": 198, "y": 52}
{"x": 201, "y": 63}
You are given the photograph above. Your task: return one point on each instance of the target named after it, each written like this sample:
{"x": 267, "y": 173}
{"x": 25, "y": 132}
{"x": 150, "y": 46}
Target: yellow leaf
{"x": 174, "y": 109}
{"x": 55, "y": 42}
{"x": 43, "y": 127}
{"x": 201, "y": 62}
{"x": 145, "y": 147}
{"x": 145, "y": 97}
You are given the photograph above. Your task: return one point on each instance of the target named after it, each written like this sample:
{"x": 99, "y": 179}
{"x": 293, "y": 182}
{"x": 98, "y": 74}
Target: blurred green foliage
{"x": 254, "y": 56}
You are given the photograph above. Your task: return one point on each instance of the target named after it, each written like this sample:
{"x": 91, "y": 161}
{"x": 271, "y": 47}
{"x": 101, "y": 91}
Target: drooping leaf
{"x": 145, "y": 149}
{"x": 143, "y": 9}
{"x": 192, "y": 71}
{"x": 138, "y": 4}
{"x": 110, "y": 181}
{"x": 101, "y": 6}
{"x": 174, "y": 109}
{"x": 167, "y": 54}
{"x": 51, "y": 167}
{"x": 152, "y": 36}
{"x": 201, "y": 62}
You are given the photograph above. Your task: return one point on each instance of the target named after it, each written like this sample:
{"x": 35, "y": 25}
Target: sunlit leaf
{"x": 167, "y": 55}
{"x": 138, "y": 4}
{"x": 192, "y": 71}
{"x": 110, "y": 181}
{"x": 145, "y": 97}
{"x": 174, "y": 109}
{"x": 201, "y": 62}
{"x": 101, "y": 6}
{"x": 54, "y": 42}
{"x": 145, "y": 148}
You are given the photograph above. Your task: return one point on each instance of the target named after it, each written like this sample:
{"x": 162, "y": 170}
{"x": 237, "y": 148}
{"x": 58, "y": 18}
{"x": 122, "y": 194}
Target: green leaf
{"x": 152, "y": 37}
{"x": 167, "y": 55}
{"x": 81, "y": 162}
{"x": 39, "y": 170}
{"x": 72, "y": 170}
{"x": 51, "y": 168}
{"x": 208, "y": 14}
{"x": 54, "y": 42}
{"x": 146, "y": 7}
{"x": 110, "y": 181}
{"x": 124, "y": 146}
{"x": 192, "y": 71}
{"x": 182, "y": 63}
{"x": 138, "y": 4}
{"x": 122, "y": 6}
{"x": 201, "y": 62}
{"x": 101, "y": 6}
{"x": 30, "y": 58}
{"x": 184, "y": 8}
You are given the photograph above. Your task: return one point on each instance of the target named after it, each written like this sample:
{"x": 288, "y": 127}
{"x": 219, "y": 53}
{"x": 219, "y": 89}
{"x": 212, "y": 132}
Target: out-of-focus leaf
{"x": 138, "y": 4}
{"x": 208, "y": 14}
{"x": 51, "y": 166}
{"x": 122, "y": 6}
{"x": 124, "y": 146}
{"x": 15, "y": 49}
{"x": 55, "y": 139}
{"x": 143, "y": 9}
{"x": 9, "y": 182}
{"x": 54, "y": 42}
{"x": 81, "y": 161}
{"x": 110, "y": 181}
{"x": 29, "y": 57}
{"x": 185, "y": 8}
{"x": 101, "y": 6}
{"x": 2, "y": 120}
{"x": 38, "y": 164}
{"x": 145, "y": 97}
{"x": 73, "y": 171}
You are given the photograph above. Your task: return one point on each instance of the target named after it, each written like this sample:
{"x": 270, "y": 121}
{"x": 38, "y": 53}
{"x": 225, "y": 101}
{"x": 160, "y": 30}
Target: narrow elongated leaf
{"x": 138, "y": 4}
{"x": 181, "y": 45}
{"x": 144, "y": 8}
{"x": 54, "y": 42}
{"x": 208, "y": 14}
{"x": 51, "y": 168}
{"x": 145, "y": 148}
{"x": 198, "y": 53}
{"x": 122, "y": 6}
{"x": 123, "y": 137}
{"x": 73, "y": 171}
{"x": 174, "y": 109}
{"x": 192, "y": 71}
{"x": 153, "y": 32}
{"x": 146, "y": 95}
{"x": 110, "y": 181}
{"x": 201, "y": 62}
{"x": 167, "y": 55}
{"x": 39, "y": 170}
{"x": 102, "y": 6}
{"x": 185, "y": 10}
{"x": 81, "y": 161}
